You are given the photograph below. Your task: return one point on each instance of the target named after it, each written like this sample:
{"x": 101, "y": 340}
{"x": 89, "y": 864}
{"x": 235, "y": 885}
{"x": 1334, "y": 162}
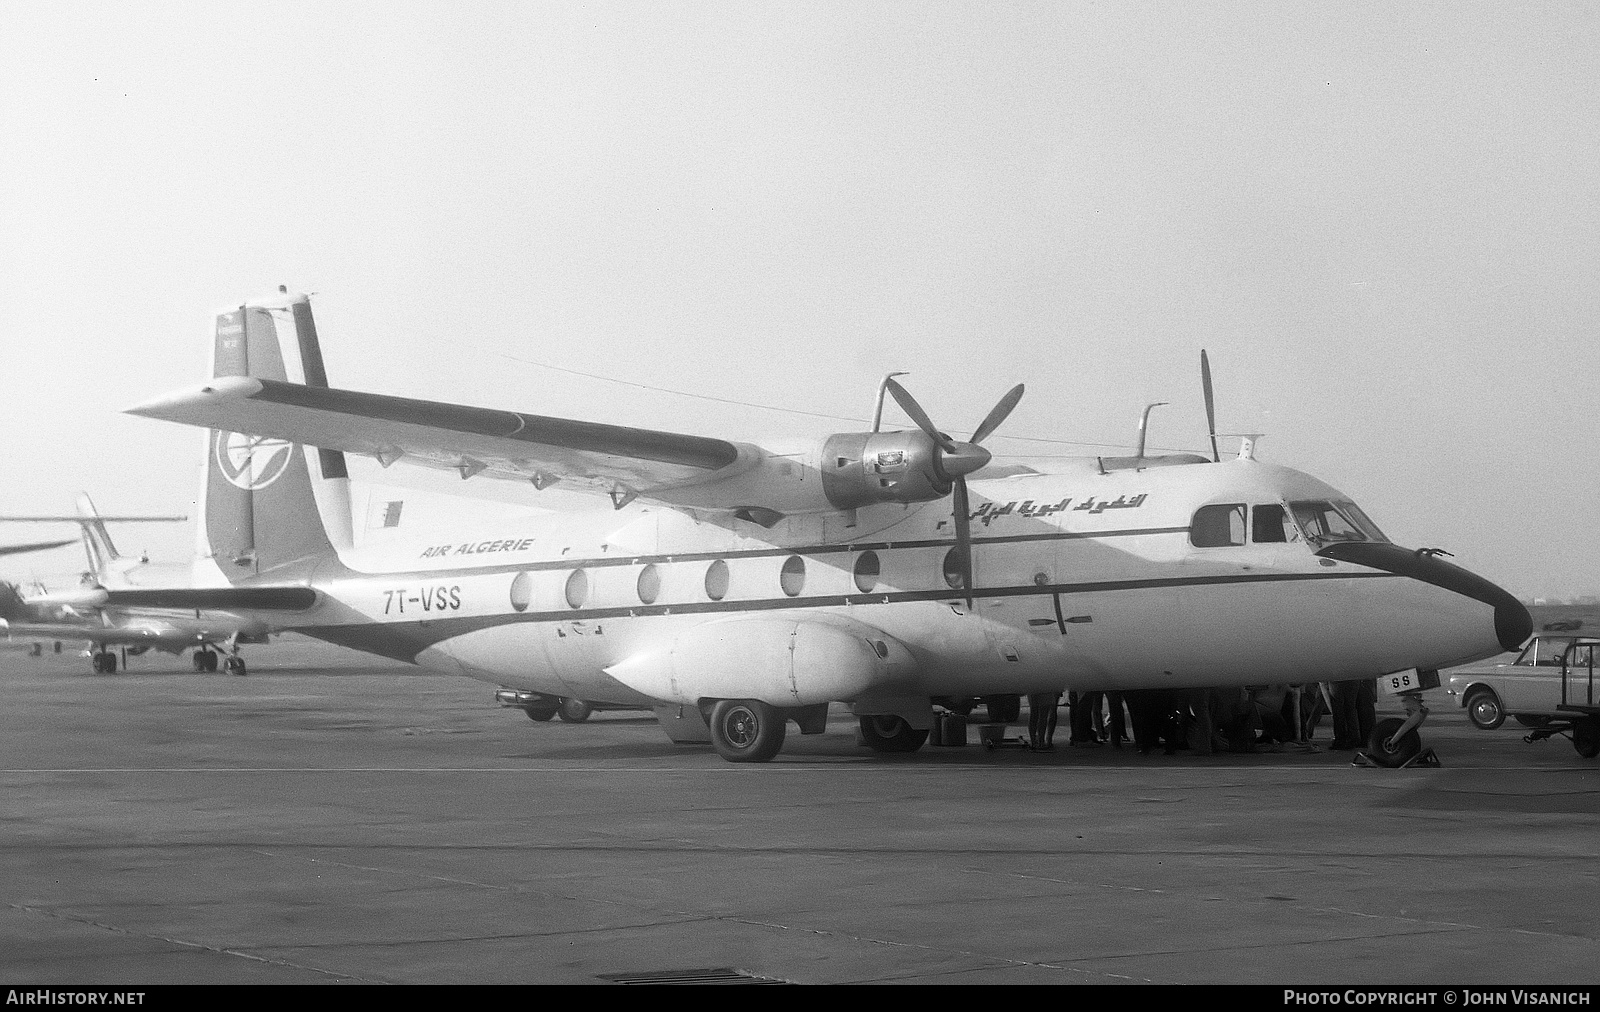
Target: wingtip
{"x": 173, "y": 406}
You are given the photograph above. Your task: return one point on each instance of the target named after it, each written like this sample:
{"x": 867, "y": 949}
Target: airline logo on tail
{"x": 251, "y": 462}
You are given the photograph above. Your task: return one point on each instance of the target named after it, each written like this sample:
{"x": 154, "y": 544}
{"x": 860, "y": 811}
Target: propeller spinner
{"x": 953, "y": 461}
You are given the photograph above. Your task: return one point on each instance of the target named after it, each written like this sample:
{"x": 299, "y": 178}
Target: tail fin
{"x": 269, "y": 507}
{"x": 97, "y": 543}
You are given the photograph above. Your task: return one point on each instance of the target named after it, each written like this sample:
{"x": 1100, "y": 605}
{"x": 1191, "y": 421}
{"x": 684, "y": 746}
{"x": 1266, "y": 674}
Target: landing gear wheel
{"x": 1484, "y": 710}
{"x": 1003, "y": 709}
{"x": 205, "y": 660}
{"x": 889, "y": 733}
{"x": 234, "y": 665}
{"x": 543, "y": 710}
{"x": 746, "y": 730}
{"x": 1401, "y": 752}
{"x": 574, "y": 711}
{"x": 1586, "y": 737}
{"x": 104, "y": 662}
{"x": 199, "y": 660}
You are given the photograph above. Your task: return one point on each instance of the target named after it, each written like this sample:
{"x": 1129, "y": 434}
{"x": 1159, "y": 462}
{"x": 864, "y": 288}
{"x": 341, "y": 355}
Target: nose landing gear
{"x": 1395, "y": 743}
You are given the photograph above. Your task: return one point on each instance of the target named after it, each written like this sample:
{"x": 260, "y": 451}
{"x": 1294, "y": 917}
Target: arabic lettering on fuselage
{"x": 1028, "y": 508}
{"x": 478, "y": 548}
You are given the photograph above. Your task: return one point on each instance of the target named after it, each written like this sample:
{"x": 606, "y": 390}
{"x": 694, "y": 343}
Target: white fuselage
{"x": 1082, "y": 580}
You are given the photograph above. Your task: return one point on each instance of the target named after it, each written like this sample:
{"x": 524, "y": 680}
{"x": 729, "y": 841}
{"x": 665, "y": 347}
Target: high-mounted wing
{"x": 472, "y": 440}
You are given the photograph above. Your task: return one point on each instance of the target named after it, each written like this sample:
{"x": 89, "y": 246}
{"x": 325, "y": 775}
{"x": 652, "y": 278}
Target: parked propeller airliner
{"x": 747, "y": 587}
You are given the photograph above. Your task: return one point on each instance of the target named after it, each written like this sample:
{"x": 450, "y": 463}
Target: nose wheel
{"x": 1395, "y": 744}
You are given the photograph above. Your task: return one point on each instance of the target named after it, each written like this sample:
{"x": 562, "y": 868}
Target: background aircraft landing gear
{"x": 104, "y": 662}
{"x": 746, "y": 730}
{"x": 234, "y": 665}
{"x": 574, "y": 711}
{"x": 205, "y": 660}
{"x": 889, "y": 733}
{"x": 1395, "y": 743}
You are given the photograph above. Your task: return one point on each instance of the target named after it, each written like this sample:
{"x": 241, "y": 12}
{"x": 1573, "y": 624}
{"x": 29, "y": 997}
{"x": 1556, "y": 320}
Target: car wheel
{"x": 1483, "y": 709}
{"x": 1398, "y": 754}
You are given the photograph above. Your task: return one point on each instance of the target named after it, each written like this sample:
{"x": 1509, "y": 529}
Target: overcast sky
{"x": 1381, "y": 219}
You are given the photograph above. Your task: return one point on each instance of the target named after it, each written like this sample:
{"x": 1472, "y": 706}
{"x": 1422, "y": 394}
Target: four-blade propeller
{"x": 955, "y": 460}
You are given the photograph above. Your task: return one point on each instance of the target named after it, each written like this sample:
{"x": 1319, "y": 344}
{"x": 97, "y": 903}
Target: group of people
{"x": 1205, "y": 721}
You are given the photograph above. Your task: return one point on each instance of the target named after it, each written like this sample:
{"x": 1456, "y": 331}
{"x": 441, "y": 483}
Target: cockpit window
{"x": 1217, "y": 526}
{"x": 1325, "y": 522}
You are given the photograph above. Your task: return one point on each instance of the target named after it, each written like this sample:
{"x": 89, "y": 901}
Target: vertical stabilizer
{"x": 97, "y": 543}
{"x": 268, "y": 505}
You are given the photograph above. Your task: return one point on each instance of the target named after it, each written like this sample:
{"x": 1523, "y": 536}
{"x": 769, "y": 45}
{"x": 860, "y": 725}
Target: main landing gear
{"x": 1395, "y": 743}
{"x": 205, "y": 659}
{"x": 104, "y": 662}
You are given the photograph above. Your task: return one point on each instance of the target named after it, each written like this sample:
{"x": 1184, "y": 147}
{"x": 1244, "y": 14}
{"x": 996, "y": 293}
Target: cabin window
{"x": 717, "y": 580}
{"x": 522, "y": 591}
{"x": 1217, "y": 526}
{"x": 1269, "y": 523}
{"x": 577, "y": 588}
{"x": 649, "y": 584}
{"x": 866, "y": 572}
{"x": 792, "y": 578}
{"x": 952, "y": 569}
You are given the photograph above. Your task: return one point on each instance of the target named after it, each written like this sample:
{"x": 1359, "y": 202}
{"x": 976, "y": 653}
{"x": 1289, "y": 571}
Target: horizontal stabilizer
{"x": 214, "y": 598}
{"x": 37, "y": 546}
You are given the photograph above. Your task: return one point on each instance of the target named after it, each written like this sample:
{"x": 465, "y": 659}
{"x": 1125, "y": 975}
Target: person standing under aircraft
{"x": 1042, "y": 708}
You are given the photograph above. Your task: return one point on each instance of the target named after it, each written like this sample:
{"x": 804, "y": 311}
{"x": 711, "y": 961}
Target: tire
{"x": 1003, "y": 709}
{"x": 962, "y": 705}
{"x": 889, "y": 733}
{"x": 1586, "y": 737}
{"x": 234, "y": 665}
{"x": 574, "y": 711}
{"x": 541, "y": 711}
{"x": 1484, "y": 709}
{"x": 1527, "y": 721}
{"x": 110, "y": 662}
{"x": 201, "y": 663}
{"x": 746, "y": 730}
{"x": 1404, "y": 750}
{"x": 97, "y": 662}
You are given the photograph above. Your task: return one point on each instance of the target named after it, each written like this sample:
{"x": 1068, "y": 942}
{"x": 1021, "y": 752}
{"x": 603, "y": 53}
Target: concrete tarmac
{"x": 333, "y": 818}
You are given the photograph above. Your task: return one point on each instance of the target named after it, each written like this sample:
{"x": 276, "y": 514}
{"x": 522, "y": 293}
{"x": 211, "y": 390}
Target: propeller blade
{"x": 997, "y": 414}
{"x": 909, "y": 405}
{"x": 963, "y": 536}
{"x": 1211, "y": 408}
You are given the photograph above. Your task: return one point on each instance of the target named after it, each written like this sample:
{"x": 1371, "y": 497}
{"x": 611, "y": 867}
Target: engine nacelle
{"x": 783, "y": 662}
{"x": 862, "y": 468}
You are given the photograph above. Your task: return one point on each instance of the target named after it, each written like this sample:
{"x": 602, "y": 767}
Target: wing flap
{"x": 474, "y": 440}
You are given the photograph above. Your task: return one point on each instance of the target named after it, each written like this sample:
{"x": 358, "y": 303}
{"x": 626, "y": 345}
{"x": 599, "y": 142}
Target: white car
{"x": 1530, "y": 690}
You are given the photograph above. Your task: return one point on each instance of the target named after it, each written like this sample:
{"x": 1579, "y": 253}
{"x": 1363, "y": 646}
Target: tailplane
{"x": 271, "y": 508}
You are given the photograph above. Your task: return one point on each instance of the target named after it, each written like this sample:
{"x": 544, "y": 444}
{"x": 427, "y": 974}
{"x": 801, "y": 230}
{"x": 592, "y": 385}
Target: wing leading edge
{"x": 472, "y": 440}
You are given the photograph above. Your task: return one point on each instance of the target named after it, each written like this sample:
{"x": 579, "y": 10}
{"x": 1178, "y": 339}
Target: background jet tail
{"x": 271, "y": 508}
{"x": 97, "y": 544}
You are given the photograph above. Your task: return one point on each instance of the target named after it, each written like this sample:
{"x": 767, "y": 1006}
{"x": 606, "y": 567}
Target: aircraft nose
{"x": 1512, "y": 623}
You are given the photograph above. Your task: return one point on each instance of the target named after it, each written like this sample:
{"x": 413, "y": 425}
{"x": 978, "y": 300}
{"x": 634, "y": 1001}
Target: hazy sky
{"x": 1382, "y": 220}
